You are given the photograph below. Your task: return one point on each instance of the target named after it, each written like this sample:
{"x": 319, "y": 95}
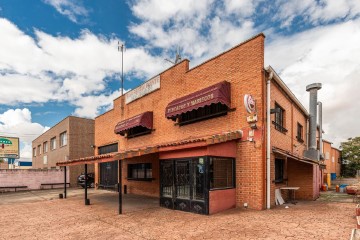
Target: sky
{"x": 60, "y": 57}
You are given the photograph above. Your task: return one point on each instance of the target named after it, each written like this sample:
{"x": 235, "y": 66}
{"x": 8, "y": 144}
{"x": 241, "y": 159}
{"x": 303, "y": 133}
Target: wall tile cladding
{"x": 243, "y": 67}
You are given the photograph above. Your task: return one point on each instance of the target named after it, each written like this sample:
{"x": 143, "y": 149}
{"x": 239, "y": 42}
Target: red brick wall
{"x": 148, "y": 188}
{"x": 243, "y": 67}
{"x": 301, "y": 175}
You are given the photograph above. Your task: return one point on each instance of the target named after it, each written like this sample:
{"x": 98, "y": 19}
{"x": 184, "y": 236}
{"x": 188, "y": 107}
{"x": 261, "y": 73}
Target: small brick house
{"x": 71, "y": 138}
{"x": 197, "y": 138}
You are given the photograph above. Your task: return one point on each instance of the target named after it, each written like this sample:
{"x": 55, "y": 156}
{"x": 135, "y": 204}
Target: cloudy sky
{"x": 60, "y": 57}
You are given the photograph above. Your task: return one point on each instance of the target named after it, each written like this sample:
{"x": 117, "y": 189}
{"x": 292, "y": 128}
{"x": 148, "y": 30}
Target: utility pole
{"x": 122, "y": 49}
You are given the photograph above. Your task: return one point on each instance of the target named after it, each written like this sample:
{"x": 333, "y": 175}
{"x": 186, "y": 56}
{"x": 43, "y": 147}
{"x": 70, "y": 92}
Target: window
{"x": 63, "y": 139}
{"x": 222, "y": 173}
{"x": 39, "y": 149}
{"x": 203, "y": 113}
{"x": 137, "y": 131}
{"x": 299, "y": 135}
{"x": 53, "y": 143}
{"x": 45, "y": 160}
{"x": 279, "y": 170}
{"x": 108, "y": 149}
{"x": 34, "y": 152}
{"x": 140, "y": 171}
{"x": 45, "y": 147}
{"x": 279, "y": 118}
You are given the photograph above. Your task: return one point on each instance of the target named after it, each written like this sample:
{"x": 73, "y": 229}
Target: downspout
{"x": 321, "y": 156}
{"x": 268, "y": 119}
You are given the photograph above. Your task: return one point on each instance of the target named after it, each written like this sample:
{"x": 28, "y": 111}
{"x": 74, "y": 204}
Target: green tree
{"x": 2, "y": 160}
{"x": 351, "y": 155}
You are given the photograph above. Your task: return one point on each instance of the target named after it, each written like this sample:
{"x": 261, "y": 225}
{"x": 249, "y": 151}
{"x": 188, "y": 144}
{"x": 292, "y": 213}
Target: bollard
{"x": 125, "y": 189}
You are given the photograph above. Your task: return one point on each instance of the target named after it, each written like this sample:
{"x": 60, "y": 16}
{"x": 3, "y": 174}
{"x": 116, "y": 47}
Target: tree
{"x": 351, "y": 155}
{"x": 2, "y": 160}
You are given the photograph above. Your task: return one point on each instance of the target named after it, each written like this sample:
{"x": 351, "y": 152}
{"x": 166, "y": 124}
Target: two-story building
{"x": 72, "y": 137}
{"x": 226, "y": 133}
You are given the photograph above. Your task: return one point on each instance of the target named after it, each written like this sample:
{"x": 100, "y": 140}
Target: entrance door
{"x": 183, "y": 185}
{"x": 108, "y": 174}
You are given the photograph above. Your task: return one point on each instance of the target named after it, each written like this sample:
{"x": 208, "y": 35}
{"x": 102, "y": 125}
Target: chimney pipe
{"x": 312, "y": 152}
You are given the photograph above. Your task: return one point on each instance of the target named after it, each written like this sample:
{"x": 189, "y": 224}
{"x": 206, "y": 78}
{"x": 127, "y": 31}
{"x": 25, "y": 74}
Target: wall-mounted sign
{"x": 249, "y": 103}
{"x": 9, "y": 147}
{"x": 144, "y": 89}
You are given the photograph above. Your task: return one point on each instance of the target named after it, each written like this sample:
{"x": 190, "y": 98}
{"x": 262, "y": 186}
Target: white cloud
{"x": 200, "y": 29}
{"x": 69, "y": 8}
{"x": 316, "y": 12}
{"x": 65, "y": 69}
{"x": 17, "y": 123}
{"x": 327, "y": 54}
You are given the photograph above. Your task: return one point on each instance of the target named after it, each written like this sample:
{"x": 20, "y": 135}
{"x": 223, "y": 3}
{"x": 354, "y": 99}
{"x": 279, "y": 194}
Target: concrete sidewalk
{"x": 71, "y": 219}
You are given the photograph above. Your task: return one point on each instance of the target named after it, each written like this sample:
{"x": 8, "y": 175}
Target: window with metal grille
{"x": 222, "y": 173}
{"x": 140, "y": 171}
{"x": 279, "y": 170}
{"x": 279, "y": 119}
{"x": 203, "y": 113}
{"x": 108, "y": 148}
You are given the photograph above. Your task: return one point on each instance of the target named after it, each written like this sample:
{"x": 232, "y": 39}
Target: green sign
{"x": 5, "y": 141}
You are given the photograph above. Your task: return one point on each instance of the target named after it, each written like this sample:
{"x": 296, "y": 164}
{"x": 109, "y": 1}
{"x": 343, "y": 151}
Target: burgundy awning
{"x": 144, "y": 119}
{"x": 218, "y": 93}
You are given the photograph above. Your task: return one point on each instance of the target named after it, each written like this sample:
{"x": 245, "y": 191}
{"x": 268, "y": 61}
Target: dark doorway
{"x": 109, "y": 175}
{"x": 184, "y": 184}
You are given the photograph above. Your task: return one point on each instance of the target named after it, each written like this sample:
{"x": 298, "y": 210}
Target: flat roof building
{"x": 71, "y": 138}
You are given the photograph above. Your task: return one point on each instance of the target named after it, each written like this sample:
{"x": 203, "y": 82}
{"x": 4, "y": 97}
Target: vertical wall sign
{"x": 249, "y": 103}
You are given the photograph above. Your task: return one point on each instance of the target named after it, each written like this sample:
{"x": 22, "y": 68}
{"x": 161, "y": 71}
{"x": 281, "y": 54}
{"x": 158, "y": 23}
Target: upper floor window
{"x": 108, "y": 148}
{"x": 279, "y": 118}
{"x": 45, "y": 147}
{"x": 53, "y": 143}
{"x": 39, "y": 149}
{"x": 299, "y": 135}
{"x": 34, "y": 152}
{"x": 206, "y": 112}
{"x": 63, "y": 139}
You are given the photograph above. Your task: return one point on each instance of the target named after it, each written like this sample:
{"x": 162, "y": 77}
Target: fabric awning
{"x": 144, "y": 119}
{"x": 218, "y": 93}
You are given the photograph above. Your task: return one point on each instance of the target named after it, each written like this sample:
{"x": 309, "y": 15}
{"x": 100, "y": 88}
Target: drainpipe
{"x": 321, "y": 156}
{"x": 268, "y": 119}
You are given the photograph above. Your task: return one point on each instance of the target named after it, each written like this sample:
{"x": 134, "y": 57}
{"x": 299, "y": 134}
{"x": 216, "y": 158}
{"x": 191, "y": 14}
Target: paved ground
{"x": 41, "y": 215}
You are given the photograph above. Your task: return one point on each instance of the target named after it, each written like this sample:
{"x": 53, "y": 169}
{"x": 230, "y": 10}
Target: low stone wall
{"x": 32, "y": 178}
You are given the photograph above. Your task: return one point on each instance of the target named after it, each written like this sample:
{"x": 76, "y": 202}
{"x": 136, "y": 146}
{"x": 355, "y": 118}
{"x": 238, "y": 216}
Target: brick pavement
{"x": 71, "y": 219}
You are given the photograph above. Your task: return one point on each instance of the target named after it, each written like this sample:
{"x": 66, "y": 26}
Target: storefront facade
{"x": 196, "y": 138}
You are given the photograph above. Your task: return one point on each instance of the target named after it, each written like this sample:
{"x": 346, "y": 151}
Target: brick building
{"x": 197, "y": 138}
{"x": 332, "y": 160}
{"x": 71, "y": 138}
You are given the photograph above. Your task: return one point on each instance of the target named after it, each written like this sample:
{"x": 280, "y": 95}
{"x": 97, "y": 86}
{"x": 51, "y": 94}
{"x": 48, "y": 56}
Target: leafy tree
{"x": 2, "y": 160}
{"x": 351, "y": 155}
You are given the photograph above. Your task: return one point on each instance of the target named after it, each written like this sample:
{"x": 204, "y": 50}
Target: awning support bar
{"x": 65, "y": 182}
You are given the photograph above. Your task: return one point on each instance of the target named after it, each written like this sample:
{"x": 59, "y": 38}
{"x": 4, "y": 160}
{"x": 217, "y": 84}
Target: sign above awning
{"x": 144, "y": 119}
{"x": 218, "y": 93}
